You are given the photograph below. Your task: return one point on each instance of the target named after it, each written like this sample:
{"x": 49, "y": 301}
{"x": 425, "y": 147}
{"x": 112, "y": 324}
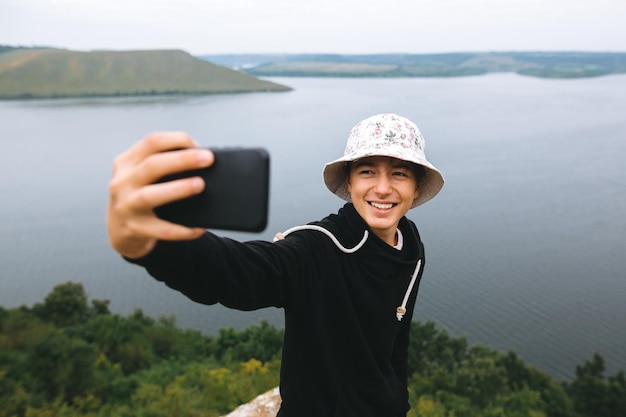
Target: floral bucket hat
{"x": 385, "y": 135}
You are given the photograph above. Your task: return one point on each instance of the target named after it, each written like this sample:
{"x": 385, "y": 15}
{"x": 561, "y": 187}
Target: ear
{"x": 348, "y": 184}
{"x": 417, "y": 193}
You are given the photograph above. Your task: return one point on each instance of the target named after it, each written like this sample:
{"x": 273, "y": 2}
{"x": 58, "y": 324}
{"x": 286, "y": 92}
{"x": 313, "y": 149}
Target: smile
{"x": 381, "y": 206}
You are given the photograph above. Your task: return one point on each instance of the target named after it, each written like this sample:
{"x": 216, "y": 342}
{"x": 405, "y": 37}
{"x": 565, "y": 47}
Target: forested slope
{"x": 71, "y": 357}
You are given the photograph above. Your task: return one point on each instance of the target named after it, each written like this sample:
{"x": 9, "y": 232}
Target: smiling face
{"x": 382, "y": 190}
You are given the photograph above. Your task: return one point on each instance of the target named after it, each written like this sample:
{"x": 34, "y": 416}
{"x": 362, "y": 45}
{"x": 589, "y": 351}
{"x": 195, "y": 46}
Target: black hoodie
{"x": 345, "y": 348}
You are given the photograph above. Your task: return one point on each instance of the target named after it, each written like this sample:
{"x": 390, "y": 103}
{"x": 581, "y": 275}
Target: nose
{"x": 383, "y": 185}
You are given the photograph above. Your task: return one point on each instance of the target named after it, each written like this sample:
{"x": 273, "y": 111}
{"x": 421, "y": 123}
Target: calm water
{"x": 526, "y": 244}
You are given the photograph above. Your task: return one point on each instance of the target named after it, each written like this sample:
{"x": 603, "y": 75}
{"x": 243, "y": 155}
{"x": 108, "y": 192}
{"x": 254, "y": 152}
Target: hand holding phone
{"x": 235, "y": 197}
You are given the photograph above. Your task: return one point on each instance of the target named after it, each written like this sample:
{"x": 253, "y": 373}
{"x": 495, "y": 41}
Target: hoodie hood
{"x": 346, "y": 237}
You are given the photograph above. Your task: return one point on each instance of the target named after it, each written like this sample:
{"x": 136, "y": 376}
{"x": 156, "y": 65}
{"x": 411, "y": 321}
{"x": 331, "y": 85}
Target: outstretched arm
{"x": 132, "y": 226}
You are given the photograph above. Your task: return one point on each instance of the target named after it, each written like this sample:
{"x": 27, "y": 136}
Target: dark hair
{"x": 418, "y": 170}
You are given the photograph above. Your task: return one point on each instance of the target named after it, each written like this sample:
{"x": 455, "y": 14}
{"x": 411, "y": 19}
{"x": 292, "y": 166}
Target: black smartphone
{"x": 235, "y": 197}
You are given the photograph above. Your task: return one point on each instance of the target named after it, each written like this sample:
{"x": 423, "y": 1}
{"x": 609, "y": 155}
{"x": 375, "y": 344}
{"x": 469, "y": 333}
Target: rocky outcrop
{"x": 265, "y": 405}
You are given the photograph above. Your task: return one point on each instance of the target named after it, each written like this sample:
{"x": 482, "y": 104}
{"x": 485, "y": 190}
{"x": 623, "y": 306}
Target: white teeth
{"x": 382, "y": 206}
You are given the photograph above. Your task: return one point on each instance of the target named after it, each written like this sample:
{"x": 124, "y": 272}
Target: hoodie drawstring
{"x": 281, "y": 236}
{"x": 401, "y": 310}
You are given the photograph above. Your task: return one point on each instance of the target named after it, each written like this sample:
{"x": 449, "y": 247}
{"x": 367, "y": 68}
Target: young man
{"x": 347, "y": 283}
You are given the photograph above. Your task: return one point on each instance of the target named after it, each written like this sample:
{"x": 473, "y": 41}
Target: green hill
{"x": 536, "y": 64}
{"x": 52, "y": 73}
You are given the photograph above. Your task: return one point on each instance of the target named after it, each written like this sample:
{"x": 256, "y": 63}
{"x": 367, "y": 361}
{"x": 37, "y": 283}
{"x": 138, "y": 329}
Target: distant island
{"x": 535, "y": 64}
{"x": 59, "y": 73}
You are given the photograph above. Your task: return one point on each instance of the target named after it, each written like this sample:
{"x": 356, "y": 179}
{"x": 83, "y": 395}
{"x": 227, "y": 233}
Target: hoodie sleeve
{"x": 212, "y": 269}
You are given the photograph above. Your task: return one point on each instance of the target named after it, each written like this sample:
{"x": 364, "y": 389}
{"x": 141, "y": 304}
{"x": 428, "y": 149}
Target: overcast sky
{"x": 334, "y": 26}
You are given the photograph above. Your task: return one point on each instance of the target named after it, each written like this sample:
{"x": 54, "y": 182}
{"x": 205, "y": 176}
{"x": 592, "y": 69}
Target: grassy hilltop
{"x": 51, "y": 73}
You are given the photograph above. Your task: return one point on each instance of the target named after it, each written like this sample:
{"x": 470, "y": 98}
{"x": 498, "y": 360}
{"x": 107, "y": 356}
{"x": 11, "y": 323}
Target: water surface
{"x": 525, "y": 244}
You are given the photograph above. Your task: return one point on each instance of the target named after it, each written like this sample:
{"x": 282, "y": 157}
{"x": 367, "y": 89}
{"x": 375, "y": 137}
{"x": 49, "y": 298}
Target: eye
{"x": 402, "y": 174}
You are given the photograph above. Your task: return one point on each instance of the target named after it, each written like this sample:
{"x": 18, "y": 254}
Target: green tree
{"x": 122, "y": 340}
{"x": 617, "y": 394}
{"x": 521, "y": 403}
{"x": 168, "y": 341}
{"x": 62, "y": 367}
{"x": 432, "y": 349}
{"x": 263, "y": 342}
{"x": 20, "y": 328}
{"x": 427, "y": 407}
{"x": 593, "y": 394}
{"x": 66, "y": 305}
{"x": 479, "y": 377}
{"x": 99, "y": 307}
{"x": 520, "y": 377}
{"x": 13, "y": 397}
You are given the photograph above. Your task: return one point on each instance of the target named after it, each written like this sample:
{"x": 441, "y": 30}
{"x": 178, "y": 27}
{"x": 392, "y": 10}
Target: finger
{"x": 154, "y": 143}
{"x": 156, "y": 228}
{"x": 139, "y": 237}
{"x": 158, "y": 165}
{"x": 154, "y": 195}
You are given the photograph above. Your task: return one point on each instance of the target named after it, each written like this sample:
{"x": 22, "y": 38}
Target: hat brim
{"x": 335, "y": 175}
